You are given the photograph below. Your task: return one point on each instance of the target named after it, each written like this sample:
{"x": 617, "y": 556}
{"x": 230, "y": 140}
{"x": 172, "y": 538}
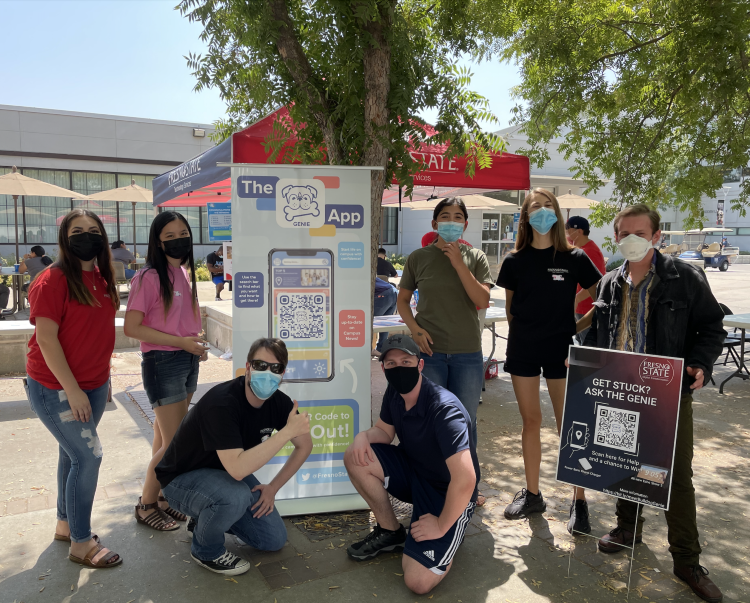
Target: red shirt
{"x": 86, "y": 333}
{"x": 592, "y": 250}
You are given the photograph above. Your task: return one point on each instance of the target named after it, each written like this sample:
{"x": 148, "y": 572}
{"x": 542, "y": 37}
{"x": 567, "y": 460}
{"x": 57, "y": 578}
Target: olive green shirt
{"x": 444, "y": 308}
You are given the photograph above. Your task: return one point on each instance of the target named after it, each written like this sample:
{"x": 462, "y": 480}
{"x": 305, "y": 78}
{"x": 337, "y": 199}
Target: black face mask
{"x": 403, "y": 378}
{"x": 86, "y": 245}
{"x": 178, "y": 249}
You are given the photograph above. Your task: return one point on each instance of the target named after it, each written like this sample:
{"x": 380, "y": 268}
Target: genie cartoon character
{"x": 300, "y": 201}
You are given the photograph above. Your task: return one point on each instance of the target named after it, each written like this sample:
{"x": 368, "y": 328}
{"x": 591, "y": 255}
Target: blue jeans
{"x": 129, "y": 273}
{"x": 221, "y": 505}
{"x": 460, "y": 374}
{"x": 80, "y": 452}
{"x": 385, "y": 305}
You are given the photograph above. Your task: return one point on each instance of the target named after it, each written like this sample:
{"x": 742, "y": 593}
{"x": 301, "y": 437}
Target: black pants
{"x": 682, "y": 523}
{"x": 4, "y": 295}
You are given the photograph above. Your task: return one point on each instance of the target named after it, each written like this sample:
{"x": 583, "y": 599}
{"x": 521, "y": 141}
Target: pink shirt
{"x": 145, "y": 296}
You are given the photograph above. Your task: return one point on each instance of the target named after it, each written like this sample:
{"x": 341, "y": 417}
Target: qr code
{"x": 617, "y": 428}
{"x": 302, "y": 316}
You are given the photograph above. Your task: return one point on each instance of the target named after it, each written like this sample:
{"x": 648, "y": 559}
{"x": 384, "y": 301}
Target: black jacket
{"x": 684, "y": 321}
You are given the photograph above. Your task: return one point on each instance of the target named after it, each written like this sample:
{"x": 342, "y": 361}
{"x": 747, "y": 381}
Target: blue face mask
{"x": 450, "y": 232}
{"x": 264, "y": 383}
{"x": 542, "y": 219}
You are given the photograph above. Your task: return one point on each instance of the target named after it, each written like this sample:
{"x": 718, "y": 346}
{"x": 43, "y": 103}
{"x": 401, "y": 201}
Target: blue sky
{"x": 126, "y": 58}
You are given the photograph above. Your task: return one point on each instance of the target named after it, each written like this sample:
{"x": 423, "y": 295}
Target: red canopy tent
{"x": 208, "y": 183}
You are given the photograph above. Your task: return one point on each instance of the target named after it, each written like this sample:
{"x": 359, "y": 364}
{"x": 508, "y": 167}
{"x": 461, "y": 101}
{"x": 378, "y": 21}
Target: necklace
{"x": 93, "y": 280}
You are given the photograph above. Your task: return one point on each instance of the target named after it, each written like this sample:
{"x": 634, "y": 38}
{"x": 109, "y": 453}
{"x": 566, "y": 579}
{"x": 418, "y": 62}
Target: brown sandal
{"x": 157, "y": 519}
{"x": 67, "y": 538}
{"x": 98, "y": 558}
{"x": 172, "y": 512}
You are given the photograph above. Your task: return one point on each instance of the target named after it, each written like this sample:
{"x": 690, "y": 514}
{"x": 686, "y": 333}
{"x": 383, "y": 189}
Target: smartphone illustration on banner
{"x": 300, "y": 308}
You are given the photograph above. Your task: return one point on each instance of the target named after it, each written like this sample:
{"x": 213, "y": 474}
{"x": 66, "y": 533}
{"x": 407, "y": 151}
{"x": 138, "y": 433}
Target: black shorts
{"x": 403, "y": 483}
{"x": 549, "y": 361}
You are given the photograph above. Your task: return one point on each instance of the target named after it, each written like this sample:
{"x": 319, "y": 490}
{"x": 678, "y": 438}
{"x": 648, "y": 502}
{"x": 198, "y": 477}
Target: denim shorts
{"x": 169, "y": 376}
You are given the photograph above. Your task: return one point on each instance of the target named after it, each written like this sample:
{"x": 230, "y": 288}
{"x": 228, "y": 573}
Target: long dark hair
{"x": 156, "y": 259}
{"x": 71, "y": 265}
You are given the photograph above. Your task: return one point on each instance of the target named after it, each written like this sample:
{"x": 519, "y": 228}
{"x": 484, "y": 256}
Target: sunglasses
{"x": 261, "y": 365}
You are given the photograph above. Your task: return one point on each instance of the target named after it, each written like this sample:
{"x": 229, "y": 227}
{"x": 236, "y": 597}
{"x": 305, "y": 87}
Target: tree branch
{"x": 632, "y": 48}
{"x": 299, "y": 67}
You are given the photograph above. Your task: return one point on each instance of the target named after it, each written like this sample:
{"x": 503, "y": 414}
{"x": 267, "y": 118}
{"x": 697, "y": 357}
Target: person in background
{"x": 453, "y": 281}
{"x": 163, "y": 314}
{"x": 434, "y": 467}
{"x": 385, "y": 305}
{"x": 120, "y": 253}
{"x": 4, "y": 297}
{"x": 385, "y": 269}
{"x": 73, "y": 307}
{"x": 724, "y": 242}
{"x": 577, "y": 231}
{"x": 233, "y": 432}
{"x": 540, "y": 279}
{"x": 215, "y": 265}
{"x": 657, "y": 304}
{"x": 33, "y": 263}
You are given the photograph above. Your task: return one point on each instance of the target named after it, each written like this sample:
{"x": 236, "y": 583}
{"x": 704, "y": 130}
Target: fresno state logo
{"x": 656, "y": 369}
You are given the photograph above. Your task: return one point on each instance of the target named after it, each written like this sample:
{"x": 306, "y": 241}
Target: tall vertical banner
{"x": 619, "y": 425}
{"x": 301, "y": 272}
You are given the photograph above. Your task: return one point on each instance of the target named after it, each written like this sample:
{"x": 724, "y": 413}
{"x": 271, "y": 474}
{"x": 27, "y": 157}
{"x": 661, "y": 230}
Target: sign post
{"x": 301, "y": 272}
{"x": 619, "y": 425}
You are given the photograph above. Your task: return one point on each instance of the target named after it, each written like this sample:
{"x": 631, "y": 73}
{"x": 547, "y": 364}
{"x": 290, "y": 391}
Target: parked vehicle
{"x": 697, "y": 247}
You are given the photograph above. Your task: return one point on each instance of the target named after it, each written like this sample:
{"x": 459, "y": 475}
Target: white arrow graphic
{"x": 348, "y": 365}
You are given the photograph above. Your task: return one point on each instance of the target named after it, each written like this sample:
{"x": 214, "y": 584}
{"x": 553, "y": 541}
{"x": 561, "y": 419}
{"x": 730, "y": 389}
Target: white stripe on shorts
{"x": 458, "y": 535}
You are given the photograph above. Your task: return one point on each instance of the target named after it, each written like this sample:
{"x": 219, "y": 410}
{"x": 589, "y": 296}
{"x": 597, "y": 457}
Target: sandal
{"x": 157, "y": 519}
{"x": 67, "y": 538}
{"x": 172, "y": 512}
{"x": 98, "y": 558}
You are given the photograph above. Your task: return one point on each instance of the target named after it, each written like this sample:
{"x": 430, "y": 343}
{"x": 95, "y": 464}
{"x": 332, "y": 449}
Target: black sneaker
{"x": 191, "y": 526}
{"x": 228, "y": 564}
{"x": 376, "y": 542}
{"x": 524, "y": 504}
{"x": 579, "y": 517}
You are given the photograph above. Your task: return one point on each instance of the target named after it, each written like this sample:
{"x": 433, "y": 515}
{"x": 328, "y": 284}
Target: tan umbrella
{"x": 471, "y": 202}
{"x": 571, "y": 201}
{"x": 127, "y": 194}
{"x": 16, "y": 185}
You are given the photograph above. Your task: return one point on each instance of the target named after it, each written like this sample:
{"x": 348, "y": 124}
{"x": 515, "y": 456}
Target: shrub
{"x": 201, "y": 272}
{"x": 615, "y": 264}
{"x": 398, "y": 260}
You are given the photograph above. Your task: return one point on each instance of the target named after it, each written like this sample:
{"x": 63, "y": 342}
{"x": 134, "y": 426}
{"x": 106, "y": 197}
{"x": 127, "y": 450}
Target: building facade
{"x": 88, "y": 153}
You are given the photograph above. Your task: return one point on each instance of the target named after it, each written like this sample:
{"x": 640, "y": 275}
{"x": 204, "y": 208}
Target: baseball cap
{"x": 399, "y": 342}
{"x": 577, "y": 222}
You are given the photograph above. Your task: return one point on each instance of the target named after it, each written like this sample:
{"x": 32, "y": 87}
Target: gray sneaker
{"x": 524, "y": 504}
{"x": 376, "y": 542}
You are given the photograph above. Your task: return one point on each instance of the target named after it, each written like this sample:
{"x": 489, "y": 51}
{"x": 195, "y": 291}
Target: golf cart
{"x": 695, "y": 250}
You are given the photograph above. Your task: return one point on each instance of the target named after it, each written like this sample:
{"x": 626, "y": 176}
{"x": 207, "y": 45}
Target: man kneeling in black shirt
{"x": 234, "y": 430}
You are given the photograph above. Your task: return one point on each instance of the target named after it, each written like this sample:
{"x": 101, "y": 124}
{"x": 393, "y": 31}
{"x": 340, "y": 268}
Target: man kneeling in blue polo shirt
{"x": 434, "y": 467}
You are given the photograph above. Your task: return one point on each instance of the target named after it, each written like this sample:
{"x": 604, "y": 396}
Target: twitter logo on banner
{"x": 308, "y": 477}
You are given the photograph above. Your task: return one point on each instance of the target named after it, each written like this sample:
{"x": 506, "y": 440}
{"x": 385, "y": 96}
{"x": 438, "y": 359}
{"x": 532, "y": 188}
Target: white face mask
{"x": 634, "y": 248}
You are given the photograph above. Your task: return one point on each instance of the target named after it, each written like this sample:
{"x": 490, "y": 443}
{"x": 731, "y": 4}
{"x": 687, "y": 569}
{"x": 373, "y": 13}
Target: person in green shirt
{"x": 453, "y": 281}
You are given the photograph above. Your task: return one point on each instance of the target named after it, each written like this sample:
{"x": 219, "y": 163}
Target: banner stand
{"x": 632, "y": 548}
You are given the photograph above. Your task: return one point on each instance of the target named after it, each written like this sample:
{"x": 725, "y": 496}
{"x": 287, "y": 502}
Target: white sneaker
{"x": 228, "y": 564}
{"x": 218, "y": 299}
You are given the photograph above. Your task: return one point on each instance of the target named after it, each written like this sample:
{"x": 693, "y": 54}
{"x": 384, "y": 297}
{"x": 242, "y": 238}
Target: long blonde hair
{"x": 525, "y": 231}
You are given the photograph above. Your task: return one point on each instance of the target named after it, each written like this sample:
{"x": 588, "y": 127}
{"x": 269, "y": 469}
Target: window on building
{"x": 389, "y": 226}
{"x": 89, "y": 183}
{"x": 192, "y": 215}
{"x": 743, "y": 231}
{"x": 7, "y": 215}
{"x": 507, "y": 196}
{"x": 204, "y": 225}
{"x": 42, "y": 215}
{"x": 144, "y": 213}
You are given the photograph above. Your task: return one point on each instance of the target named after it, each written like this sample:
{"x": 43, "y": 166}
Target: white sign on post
{"x": 301, "y": 272}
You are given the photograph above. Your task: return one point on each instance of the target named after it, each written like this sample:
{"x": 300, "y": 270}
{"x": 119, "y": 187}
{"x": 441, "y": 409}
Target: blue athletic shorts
{"x": 218, "y": 280}
{"x": 403, "y": 483}
{"x": 169, "y": 376}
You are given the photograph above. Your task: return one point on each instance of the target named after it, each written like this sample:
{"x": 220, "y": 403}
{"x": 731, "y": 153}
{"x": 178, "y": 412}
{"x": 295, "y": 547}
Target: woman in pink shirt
{"x": 163, "y": 315}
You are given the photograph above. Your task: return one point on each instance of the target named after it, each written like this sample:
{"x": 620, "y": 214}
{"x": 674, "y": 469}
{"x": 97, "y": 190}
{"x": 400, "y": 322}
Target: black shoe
{"x": 697, "y": 578}
{"x": 524, "y": 504}
{"x": 228, "y": 564}
{"x": 579, "y": 517}
{"x": 376, "y": 542}
{"x": 191, "y": 526}
{"x": 617, "y": 540}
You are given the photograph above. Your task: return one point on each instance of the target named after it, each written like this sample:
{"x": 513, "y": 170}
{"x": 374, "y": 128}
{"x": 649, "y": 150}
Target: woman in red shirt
{"x": 73, "y": 306}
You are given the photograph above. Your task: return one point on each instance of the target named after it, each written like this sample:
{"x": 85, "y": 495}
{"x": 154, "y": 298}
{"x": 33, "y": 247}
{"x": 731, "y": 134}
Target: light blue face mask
{"x": 264, "y": 383}
{"x": 450, "y": 232}
{"x": 542, "y": 219}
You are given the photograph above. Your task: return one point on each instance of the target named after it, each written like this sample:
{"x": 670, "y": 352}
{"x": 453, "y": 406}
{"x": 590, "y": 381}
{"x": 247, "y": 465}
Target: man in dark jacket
{"x": 655, "y": 304}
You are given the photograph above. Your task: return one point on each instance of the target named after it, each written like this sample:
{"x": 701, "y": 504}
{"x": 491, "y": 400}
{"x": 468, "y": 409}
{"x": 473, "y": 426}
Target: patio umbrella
{"x": 471, "y": 202}
{"x": 571, "y": 201}
{"x": 126, "y": 194}
{"x": 16, "y": 185}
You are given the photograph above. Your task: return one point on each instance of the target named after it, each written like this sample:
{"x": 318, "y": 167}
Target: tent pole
{"x": 135, "y": 247}
{"x": 15, "y": 209}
